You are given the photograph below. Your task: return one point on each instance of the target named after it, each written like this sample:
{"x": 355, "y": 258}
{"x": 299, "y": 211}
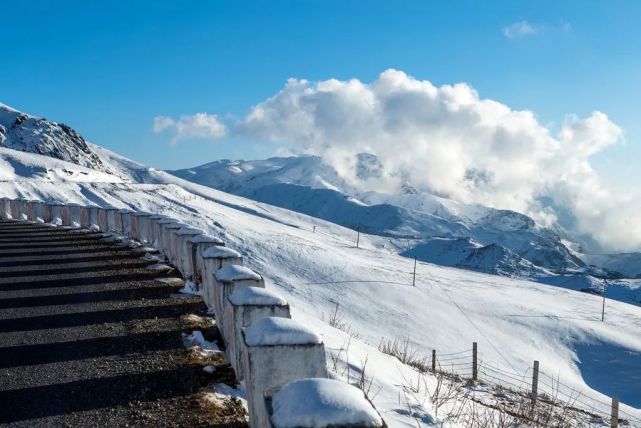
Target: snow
{"x": 273, "y": 331}
{"x": 188, "y": 231}
{"x": 191, "y": 288}
{"x": 204, "y": 238}
{"x": 220, "y": 252}
{"x": 256, "y": 296}
{"x": 196, "y": 339}
{"x": 231, "y": 273}
{"x": 317, "y": 403}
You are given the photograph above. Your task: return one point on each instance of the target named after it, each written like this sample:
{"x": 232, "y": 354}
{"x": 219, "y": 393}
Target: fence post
{"x": 614, "y": 418}
{"x": 358, "y": 235}
{"x": 535, "y": 381}
{"x": 414, "y": 275}
{"x": 433, "y": 360}
{"x": 475, "y": 366}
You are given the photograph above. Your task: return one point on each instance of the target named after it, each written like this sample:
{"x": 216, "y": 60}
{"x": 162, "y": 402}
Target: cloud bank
{"x": 447, "y": 140}
{"x": 199, "y": 126}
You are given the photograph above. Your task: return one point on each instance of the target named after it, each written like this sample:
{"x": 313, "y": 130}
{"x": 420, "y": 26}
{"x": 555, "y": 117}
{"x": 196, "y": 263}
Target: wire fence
{"x": 534, "y": 384}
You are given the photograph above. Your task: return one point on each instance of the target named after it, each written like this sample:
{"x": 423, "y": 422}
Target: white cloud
{"x": 521, "y": 28}
{"x": 449, "y": 141}
{"x": 200, "y": 125}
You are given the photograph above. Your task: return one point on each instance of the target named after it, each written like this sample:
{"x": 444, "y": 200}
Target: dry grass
{"x": 224, "y": 410}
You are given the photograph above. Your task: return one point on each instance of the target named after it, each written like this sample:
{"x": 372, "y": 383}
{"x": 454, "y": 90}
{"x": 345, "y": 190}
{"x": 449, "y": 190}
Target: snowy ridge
{"x": 27, "y": 133}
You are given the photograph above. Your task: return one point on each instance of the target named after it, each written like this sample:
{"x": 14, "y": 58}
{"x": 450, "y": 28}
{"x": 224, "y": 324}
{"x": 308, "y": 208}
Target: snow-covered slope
{"x": 315, "y": 265}
{"x": 422, "y": 225}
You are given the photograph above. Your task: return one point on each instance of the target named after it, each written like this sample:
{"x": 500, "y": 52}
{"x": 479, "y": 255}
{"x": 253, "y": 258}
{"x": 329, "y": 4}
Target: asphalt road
{"x": 90, "y": 337}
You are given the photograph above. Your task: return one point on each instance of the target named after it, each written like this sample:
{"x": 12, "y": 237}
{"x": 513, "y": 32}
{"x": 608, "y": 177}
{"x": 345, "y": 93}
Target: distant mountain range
{"x": 422, "y": 225}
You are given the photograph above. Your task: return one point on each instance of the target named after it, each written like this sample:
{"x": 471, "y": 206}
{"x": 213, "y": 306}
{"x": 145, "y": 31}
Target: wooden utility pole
{"x": 484, "y": 262}
{"x": 433, "y": 360}
{"x": 535, "y": 382}
{"x": 614, "y": 416}
{"x": 475, "y": 365}
{"x": 605, "y": 288}
{"x": 493, "y": 259}
{"x": 414, "y": 276}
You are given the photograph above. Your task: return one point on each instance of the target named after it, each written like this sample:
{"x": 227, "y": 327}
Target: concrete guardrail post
{"x": 322, "y": 403}
{"x": 181, "y": 248}
{"x": 55, "y": 214}
{"x": 113, "y": 219}
{"x": 167, "y": 236}
{"x": 228, "y": 280}
{"x": 38, "y": 210}
{"x": 125, "y": 221}
{"x": 278, "y": 351}
{"x": 24, "y": 209}
{"x": 31, "y": 213}
{"x": 192, "y": 261}
{"x": 5, "y": 209}
{"x": 15, "y": 209}
{"x": 244, "y": 307}
{"x": 155, "y": 222}
{"x": 139, "y": 227}
{"x": 93, "y": 218}
{"x": 75, "y": 215}
{"x": 65, "y": 215}
{"x": 213, "y": 259}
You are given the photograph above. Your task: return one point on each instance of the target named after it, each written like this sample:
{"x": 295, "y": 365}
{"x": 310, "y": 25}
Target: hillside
{"x": 422, "y": 225}
{"x": 315, "y": 265}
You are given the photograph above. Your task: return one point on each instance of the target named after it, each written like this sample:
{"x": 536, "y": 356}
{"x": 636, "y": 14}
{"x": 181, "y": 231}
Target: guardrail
{"x": 280, "y": 361}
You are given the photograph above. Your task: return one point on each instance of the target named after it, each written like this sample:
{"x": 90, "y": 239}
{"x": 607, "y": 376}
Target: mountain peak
{"x": 26, "y": 133}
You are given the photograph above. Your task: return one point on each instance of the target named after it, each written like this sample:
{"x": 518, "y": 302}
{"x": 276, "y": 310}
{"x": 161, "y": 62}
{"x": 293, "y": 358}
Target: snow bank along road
{"x": 89, "y": 336}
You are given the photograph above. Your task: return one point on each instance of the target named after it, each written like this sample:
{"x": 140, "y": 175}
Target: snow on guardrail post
{"x": 228, "y": 280}
{"x": 180, "y": 247}
{"x": 215, "y": 258}
{"x": 244, "y": 307}
{"x": 5, "y": 209}
{"x": 278, "y": 351}
{"x": 322, "y": 403}
{"x": 193, "y": 261}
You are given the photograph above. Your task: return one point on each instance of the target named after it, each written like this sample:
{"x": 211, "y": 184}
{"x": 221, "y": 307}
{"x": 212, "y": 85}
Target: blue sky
{"x": 109, "y": 68}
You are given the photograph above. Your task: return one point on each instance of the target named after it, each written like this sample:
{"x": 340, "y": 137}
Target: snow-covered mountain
{"x": 308, "y": 185}
{"x": 20, "y": 131}
{"x": 314, "y": 264}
